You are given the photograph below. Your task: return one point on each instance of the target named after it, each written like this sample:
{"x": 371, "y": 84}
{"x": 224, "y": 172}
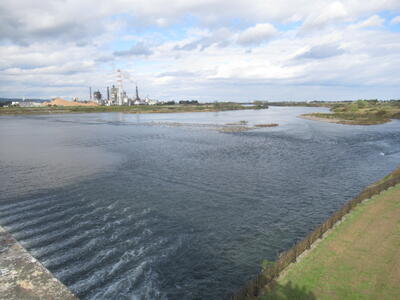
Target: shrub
{"x": 361, "y": 103}
{"x": 381, "y": 112}
{"x": 260, "y": 104}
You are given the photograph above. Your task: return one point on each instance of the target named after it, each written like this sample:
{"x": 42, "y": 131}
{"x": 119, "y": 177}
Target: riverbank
{"x": 358, "y": 259}
{"x": 22, "y": 277}
{"x": 313, "y": 117}
{"x": 337, "y": 119}
{"x": 266, "y": 285}
{"x": 137, "y": 109}
{"x": 361, "y": 112}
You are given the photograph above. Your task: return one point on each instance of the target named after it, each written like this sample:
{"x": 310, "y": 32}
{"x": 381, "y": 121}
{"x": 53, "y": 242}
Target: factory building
{"x": 98, "y": 97}
{"x": 117, "y": 96}
{"x": 114, "y": 95}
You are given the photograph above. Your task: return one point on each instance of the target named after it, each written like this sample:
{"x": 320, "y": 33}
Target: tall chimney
{"x": 90, "y": 92}
{"x": 137, "y": 94}
{"x": 108, "y": 93}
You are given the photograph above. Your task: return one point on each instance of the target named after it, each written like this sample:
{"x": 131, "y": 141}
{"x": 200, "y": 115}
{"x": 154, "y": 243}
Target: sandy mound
{"x": 62, "y": 102}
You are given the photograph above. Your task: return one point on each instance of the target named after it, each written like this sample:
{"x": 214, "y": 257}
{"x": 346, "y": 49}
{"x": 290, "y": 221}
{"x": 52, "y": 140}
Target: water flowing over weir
{"x": 118, "y": 208}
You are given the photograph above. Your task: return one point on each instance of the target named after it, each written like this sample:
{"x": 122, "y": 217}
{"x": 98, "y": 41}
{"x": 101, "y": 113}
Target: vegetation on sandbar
{"x": 243, "y": 126}
{"x": 266, "y": 125}
{"x": 360, "y": 112}
{"x": 260, "y": 104}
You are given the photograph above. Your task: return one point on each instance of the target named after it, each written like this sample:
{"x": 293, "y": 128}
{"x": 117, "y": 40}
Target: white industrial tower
{"x": 120, "y": 88}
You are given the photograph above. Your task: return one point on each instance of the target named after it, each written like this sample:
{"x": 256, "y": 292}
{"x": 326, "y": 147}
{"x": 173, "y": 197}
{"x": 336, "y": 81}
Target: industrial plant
{"x": 116, "y": 95}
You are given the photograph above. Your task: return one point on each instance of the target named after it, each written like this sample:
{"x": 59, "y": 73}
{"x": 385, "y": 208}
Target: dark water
{"x": 120, "y": 209}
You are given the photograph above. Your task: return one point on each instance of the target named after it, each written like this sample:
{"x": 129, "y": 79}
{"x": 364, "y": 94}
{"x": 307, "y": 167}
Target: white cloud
{"x": 198, "y": 48}
{"x": 326, "y": 14}
{"x": 22, "y": 20}
{"x": 395, "y": 20}
{"x": 137, "y": 49}
{"x": 374, "y": 21}
{"x": 257, "y": 34}
{"x": 203, "y": 39}
{"x": 321, "y": 51}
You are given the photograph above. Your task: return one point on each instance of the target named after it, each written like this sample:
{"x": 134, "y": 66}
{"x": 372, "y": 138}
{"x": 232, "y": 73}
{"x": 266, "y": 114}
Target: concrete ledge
{"x": 22, "y": 277}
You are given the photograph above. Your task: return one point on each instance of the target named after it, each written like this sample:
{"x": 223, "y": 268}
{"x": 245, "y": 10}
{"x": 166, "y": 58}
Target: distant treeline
{"x": 192, "y": 102}
{"x": 3, "y": 99}
{"x": 329, "y": 103}
{"x": 5, "y": 103}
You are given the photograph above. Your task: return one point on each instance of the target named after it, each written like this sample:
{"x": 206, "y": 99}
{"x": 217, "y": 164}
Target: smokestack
{"x": 108, "y": 93}
{"x": 90, "y": 92}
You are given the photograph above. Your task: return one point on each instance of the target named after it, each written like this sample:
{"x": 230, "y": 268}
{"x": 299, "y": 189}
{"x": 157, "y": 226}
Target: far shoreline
{"x": 315, "y": 118}
{"x": 15, "y": 111}
{"x": 334, "y": 120}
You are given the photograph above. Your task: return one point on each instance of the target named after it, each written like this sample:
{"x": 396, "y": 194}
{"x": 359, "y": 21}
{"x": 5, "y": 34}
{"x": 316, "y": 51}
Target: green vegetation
{"x": 395, "y": 173}
{"x": 265, "y": 264}
{"x": 303, "y": 103}
{"x": 260, "y": 104}
{"x": 360, "y": 112}
{"x": 359, "y": 258}
{"x": 220, "y": 106}
{"x": 289, "y": 291}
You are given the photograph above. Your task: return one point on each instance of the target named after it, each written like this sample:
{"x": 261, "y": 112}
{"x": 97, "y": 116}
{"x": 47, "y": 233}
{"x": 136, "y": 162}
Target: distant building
{"x": 117, "y": 96}
{"x": 97, "y": 96}
{"x": 149, "y": 101}
{"x": 114, "y": 95}
{"x": 124, "y": 99}
{"x": 137, "y": 100}
{"x": 137, "y": 94}
{"x": 29, "y": 104}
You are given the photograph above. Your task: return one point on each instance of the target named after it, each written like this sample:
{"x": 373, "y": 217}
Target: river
{"x": 124, "y": 206}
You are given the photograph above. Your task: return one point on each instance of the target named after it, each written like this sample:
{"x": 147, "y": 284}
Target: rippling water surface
{"x": 118, "y": 207}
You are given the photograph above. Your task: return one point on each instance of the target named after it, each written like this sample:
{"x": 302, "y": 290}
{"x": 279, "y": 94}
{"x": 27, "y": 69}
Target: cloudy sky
{"x": 237, "y": 50}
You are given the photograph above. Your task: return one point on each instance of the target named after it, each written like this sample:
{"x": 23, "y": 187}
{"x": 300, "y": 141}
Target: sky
{"x": 209, "y": 50}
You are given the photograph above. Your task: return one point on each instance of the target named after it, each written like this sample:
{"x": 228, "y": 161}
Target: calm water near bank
{"x": 122, "y": 206}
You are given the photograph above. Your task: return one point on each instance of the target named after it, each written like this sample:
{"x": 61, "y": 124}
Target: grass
{"x": 359, "y": 258}
{"x": 391, "y": 175}
{"x": 124, "y": 109}
{"x": 289, "y": 291}
{"x": 361, "y": 112}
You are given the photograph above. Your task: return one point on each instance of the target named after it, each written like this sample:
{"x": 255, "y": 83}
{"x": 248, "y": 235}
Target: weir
{"x": 23, "y": 277}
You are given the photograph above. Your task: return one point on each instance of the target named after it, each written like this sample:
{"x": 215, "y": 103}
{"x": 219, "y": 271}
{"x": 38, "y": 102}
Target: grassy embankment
{"x": 124, "y": 109}
{"x": 358, "y": 259}
{"x": 361, "y": 112}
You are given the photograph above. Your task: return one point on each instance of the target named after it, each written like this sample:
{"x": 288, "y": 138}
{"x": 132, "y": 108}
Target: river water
{"x": 122, "y": 206}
